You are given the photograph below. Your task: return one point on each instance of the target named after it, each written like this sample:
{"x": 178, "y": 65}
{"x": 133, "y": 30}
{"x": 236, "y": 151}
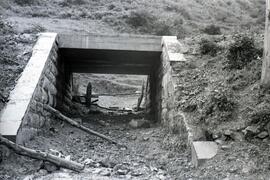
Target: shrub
{"x": 146, "y": 22}
{"x": 229, "y": 3}
{"x": 212, "y": 30}
{"x": 260, "y": 117}
{"x": 242, "y": 51}
{"x": 162, "y": 29}
{"x": 208, "y": 47}
{"x": 72, "y": 2}
{"x": 25, "y": 2}
{"x": 5, "y": 27}
{"x": 218, "y": 106}
{"x": 140, "y": 18}
{"x": 221, "y": 101}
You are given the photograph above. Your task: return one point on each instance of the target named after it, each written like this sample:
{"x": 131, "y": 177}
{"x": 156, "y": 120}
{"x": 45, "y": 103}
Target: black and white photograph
{"x": 134, "y": 89}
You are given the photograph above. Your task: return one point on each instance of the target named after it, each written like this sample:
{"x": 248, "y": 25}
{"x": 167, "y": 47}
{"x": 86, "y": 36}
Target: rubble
{"x": 251, "y": 131}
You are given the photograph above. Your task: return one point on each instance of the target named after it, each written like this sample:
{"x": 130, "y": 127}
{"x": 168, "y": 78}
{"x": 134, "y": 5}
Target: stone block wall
{"x": 163, "y": 87}
{"x": 53, "y": 89}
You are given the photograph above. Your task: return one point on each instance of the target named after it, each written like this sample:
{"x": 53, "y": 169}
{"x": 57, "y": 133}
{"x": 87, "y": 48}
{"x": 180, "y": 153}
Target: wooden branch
{"x": 35, "y": 154}
{"x": 110, "y": 109}
{"x": 140, "y": 98}
{"x": 94, "y": 101}
{"x": 76, "y": 124}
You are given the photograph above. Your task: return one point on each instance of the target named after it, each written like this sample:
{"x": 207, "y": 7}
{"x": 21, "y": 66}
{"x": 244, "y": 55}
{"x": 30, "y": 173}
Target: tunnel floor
{"x": 147, "y": 156}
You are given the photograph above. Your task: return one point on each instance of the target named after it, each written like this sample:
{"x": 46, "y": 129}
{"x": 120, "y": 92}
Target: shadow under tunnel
{"x": 104, "y": 57}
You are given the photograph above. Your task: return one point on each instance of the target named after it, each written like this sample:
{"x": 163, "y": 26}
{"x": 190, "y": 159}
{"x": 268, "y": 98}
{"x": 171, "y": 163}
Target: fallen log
{"x": 76, "y": 124}
{"x": 36, "y": 154}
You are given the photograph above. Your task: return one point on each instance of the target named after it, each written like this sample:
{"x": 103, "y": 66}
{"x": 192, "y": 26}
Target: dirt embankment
{"x": 220, "y": 94}
{"x": 15, "y": 50}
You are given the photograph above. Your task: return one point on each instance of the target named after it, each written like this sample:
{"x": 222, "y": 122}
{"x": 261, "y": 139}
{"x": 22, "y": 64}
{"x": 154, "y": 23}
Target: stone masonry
{"x": 166, "y": 107}
{"x": 53, "y": 89}
{"x": 42, "y": 82}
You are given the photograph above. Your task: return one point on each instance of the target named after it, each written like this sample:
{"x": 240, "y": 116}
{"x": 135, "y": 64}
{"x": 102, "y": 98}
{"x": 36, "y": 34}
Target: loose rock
{"x": 89, "y": 162}
{"x": 262, "y": 135}
{"x": 122, "y": 171}
{"x": 250, "y": 131}
{"x": 105, "y": 172}
{"x": 139, "y": 123}
{"x": 228, "y": 132}
{"x": 50, "y": 167}
{"x": 237, "y": 136}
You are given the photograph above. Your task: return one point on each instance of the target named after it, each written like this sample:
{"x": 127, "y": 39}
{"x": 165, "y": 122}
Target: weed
{"x": 36, "y": 28}
{"x": 72, "y": 2}
{"x": 26, "y": 2}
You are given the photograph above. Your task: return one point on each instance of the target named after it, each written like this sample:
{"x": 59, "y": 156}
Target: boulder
{"x": 202, "y": 151}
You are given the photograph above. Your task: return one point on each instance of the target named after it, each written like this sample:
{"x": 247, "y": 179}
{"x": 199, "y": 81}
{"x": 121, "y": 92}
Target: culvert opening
{"x": 45, "y": 97}
{"x": 127, "y": 56}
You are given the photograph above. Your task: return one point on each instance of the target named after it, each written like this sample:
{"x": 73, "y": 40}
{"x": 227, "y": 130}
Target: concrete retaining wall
{"x": 53, "y": 89}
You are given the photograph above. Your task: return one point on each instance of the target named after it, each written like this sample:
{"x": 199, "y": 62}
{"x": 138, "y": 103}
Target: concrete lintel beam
{"x": 114, "y": 42}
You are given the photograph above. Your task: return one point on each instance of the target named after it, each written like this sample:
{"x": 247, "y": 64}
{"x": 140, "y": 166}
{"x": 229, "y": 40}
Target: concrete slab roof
{"x": 116, "y": 54}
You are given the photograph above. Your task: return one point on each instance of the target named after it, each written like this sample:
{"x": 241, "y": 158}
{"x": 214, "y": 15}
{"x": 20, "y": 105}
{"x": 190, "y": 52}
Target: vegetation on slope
{"x": 169, "y": 17}
{"x": 223, "y": 91}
